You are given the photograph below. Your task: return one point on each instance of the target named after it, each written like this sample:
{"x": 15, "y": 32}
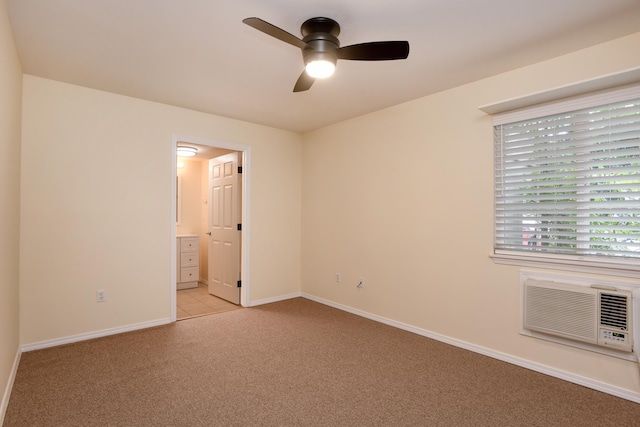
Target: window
{"x": 567, "y": 180}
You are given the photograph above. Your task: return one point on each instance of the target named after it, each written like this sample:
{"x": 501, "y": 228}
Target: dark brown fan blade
{"x": 304, "y": 82}
{"x": 375, "y": 51}
{"x": 274, "y": 31}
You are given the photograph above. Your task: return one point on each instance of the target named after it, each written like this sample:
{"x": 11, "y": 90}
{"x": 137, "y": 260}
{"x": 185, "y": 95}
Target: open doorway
{"x": 191, "y": 238}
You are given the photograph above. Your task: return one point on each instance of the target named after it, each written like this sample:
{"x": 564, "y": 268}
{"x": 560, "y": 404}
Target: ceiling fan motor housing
{"x": 320, "y": 35}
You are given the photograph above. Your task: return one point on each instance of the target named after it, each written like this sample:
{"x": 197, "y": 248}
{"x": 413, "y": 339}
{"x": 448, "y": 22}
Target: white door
{"x": 224, "y": 221}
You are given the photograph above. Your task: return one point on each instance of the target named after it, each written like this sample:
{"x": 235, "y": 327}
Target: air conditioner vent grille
{"x": 613, "y": 311}
{"x": 559, "y": 311}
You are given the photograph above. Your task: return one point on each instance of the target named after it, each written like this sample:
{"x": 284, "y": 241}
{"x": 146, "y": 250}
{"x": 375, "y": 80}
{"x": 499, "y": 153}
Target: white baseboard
{"x": 274, "y": 299}
{"x": 105, "y": 332}
{"x": 547, "y": 370}
{"x": 91, "y": 335}
{"x": 7, "y": 390}
{"x": 112, "y": 331}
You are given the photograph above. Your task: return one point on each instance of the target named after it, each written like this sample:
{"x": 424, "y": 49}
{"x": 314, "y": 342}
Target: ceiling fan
{"x": 321, "y": 48}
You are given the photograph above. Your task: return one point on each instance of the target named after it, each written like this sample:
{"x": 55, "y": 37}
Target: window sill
{"x": 629, "y": 269}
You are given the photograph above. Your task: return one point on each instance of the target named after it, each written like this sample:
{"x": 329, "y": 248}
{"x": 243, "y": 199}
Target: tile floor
{"x": 198, "y": 302}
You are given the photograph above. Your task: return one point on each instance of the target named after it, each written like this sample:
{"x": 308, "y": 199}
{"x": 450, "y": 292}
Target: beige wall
{"x": 204, "y": 221}
{"x": 96, "y": 207}
{"x": 404, "y": 198}
{"x": 193, "y": 197}
{"x": 191, "y": 174}
{"x": 10, "y": 110}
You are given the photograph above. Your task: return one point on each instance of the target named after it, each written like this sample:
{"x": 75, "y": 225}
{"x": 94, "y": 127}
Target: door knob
{"x": 209, "y": 233}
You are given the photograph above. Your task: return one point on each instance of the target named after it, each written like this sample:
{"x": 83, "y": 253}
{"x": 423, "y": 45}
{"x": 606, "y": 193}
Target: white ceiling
{"x": 199, "y": 55}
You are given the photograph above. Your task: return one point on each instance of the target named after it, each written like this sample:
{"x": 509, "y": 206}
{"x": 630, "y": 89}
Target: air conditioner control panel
{"x": 620, "y": 340}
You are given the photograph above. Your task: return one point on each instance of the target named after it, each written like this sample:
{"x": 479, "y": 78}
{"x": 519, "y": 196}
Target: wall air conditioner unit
{"x": 599, "y": 315}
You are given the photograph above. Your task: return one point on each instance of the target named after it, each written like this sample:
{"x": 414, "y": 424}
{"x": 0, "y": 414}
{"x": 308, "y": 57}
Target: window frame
{"x": 588, "y": 264}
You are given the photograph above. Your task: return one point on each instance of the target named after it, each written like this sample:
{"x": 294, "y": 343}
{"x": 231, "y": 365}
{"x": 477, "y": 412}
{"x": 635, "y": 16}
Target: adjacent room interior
{"x": 199, "y": 291}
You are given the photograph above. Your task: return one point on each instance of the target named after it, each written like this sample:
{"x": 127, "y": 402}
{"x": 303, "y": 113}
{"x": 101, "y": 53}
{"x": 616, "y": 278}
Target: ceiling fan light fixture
{"x": 320, "y": 68}
{"x": 319, "y": 64}
{"x": 184, "y": 151}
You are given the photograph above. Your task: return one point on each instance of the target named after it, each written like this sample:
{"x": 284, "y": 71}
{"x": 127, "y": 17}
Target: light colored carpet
{"x": 292, "y": 363}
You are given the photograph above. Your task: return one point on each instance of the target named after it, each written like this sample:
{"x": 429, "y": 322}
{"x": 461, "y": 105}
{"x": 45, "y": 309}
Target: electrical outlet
{"x": 361, "y": 282}
{"x": 100, "y": 296}
{"x": 338, "y": 278}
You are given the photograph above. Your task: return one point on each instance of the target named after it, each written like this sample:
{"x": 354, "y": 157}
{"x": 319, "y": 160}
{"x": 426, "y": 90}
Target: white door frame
{"x": 246, "y": 225}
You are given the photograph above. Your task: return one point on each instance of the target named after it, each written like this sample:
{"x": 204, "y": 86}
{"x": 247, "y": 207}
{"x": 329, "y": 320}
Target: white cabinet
{"x": 188, "y": 257}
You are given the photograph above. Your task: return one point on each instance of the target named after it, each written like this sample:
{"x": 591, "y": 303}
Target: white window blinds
{"x": 568, "y": 183}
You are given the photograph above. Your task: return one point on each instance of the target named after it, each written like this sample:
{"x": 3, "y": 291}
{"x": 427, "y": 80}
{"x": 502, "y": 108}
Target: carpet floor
{"x": 292, "y": 363}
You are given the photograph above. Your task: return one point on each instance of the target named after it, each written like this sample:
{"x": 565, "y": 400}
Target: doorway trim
{"x": 246, "y": 223}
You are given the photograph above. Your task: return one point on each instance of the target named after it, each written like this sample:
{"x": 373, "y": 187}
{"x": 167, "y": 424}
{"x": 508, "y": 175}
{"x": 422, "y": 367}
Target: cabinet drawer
{"x": 188, "y": 244}
{"x": 189, "y": 259}
{"x": 189, "y": 274}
